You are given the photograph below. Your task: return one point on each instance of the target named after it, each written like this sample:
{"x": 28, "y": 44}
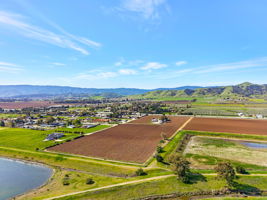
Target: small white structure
{"x": 241, "y": 114}
{"x": 156, "y": 121}
{"x": 259, "y": 116}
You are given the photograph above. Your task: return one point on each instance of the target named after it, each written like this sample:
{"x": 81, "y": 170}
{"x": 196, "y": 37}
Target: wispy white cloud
{"x": 127, "y": 63}
{"x": 127, "y": 71}
{"x": 9, "y": 67}
{"x": 64, "y": 39}
{"x": 224, "y": 67}
{"x": 259, "y": 62}
{"x": 179, "y": 63}
{"x": 148, "y": 9}
{"x": 153, "y": 65}
{"x": 95, "y": 75}
{"x": 58, "y": 64}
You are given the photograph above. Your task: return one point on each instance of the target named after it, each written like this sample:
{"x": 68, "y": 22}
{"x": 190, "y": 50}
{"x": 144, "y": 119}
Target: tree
{"x": 89, "y": 181}
{"x": 159, "y": 149}
{"x": 164, "y": 136}
{"x": 140, "y": 172}
{"x": 39, "y": 121}
{"x": 164, "y": 118}
{"x": 181, "y": 167}
{"x": 159, "y": 158}
{"x": 50, "y": 119}
{"x": 77, "y": 122}
{"x": 241, "y": 170}
{"x": 226, "y": 171}
{"x": 11, "y": 124}
{"x": 2, "y": 123}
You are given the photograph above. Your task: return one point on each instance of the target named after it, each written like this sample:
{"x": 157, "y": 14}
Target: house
{"x": 90, "y": 125}
{"x": 156, "y": 121}
{"x": 101, "y": 120}
{"x": 71, "y": 126}
{"x": 54, "y": 136}
{"x": 241, "y": 114}
{"x": 259, "y": 116}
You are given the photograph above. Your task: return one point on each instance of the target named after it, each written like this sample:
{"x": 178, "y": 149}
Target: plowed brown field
{"x": 25, "y": 104}
{"x": 244, "y": 126}
{"x": 134, "y": 142}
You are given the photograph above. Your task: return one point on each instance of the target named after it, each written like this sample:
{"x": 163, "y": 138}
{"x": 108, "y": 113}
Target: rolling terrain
{"x": 244, "y": 90}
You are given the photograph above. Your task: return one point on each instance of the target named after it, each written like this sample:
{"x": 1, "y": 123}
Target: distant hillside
{"x": 24, "y": 91}
{"x": 242, "y": 90}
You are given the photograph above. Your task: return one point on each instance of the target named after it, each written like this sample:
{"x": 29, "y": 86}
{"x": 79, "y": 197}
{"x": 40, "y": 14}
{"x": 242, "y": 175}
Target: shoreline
{"x": 33, "y": 163}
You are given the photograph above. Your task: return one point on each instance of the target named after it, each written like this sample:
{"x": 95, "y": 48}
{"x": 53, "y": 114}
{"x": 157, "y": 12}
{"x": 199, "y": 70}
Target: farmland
{"x": 25, "y": 104}
{"x": 110, "y": 156}
{"x": 133, "y": 142}
{"x": 243, "y": 126}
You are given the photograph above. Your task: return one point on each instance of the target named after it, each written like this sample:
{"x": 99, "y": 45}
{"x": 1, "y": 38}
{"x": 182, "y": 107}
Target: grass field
{"x": 236, "y": 198}
{"x": 157, "y": 187}
{"x": 168, "y": 186}
{"x": 27, "y": 139}
{"x": 77, "y": 182}
{"x": 226, "y": 149}
{"x": 4, "y": 116}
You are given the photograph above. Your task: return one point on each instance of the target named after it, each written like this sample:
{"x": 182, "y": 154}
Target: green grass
{"x": 226, "y": 135}
{"x": 204, "y": 151}
{"x": 77, "y": 182}
{"x": 217, "y": 142}
{"x": 236, "y": 198}
{"x": 210, "y": 162}
{"x": 5, "y": 115}
{"x": 67, "y": 161}
{"x": 27, "y": 139}
{"x": 156, "y": 187}
{"x": 83, "y": 130}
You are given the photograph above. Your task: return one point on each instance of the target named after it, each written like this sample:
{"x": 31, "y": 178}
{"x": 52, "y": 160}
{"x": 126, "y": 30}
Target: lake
{"x": 255, "y": 145}
{"x": 17, "y": 177}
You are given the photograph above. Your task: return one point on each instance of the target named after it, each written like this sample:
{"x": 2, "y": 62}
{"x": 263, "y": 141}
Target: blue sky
{"x": 133, "y": 43}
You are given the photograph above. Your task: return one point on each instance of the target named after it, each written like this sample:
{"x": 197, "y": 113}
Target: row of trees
{"x": 181, "y": 167}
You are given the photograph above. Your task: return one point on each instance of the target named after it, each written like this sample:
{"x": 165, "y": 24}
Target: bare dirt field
{"x": 133, "y": 142}
{"x": 25, "y": 104}
{"x": 243, "y": 126}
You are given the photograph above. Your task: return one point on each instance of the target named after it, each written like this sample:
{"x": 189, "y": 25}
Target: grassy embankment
{"x": 168, "y": 186}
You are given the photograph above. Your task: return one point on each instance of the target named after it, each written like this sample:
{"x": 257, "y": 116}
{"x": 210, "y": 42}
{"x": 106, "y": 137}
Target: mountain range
{"x": 241, "y": 90}
{"x": 25, "y": 91}
{"x": 246, "y": 89}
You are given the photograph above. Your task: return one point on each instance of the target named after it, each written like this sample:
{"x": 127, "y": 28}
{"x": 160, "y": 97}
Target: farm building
{"x": 54, "y": 136}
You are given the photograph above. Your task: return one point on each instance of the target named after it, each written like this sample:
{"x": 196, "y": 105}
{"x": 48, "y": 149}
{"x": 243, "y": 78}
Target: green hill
{"x": 244, "y": 90}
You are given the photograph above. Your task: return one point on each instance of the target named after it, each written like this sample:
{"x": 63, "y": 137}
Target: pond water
{"x": 17, "y": 177}
{"x": 255, "y": 145}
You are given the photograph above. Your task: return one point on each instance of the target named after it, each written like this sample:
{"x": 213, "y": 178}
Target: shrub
{"x": 140, "y": 172}
{"x": 159, "y": 158}
{"x": 159, "y": 149}
{"x": 66, "y": 181}
{"x": 240, "y": 170}
{"x": 161, "y": 141}
{"x": 89, "y": 181}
